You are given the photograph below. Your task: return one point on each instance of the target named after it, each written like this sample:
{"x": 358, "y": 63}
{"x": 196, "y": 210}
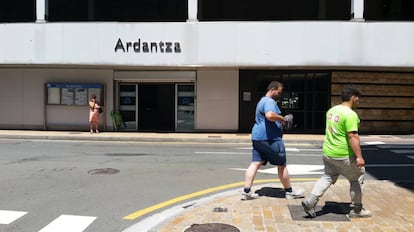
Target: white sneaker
{"x": 249, "y": 196}
{"x": 296, "y": 193}
{"x": 364, "y": 213}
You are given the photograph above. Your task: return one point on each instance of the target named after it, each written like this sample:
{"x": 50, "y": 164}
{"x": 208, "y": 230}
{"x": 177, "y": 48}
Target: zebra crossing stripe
{"x": 68, "y": 223}
{"x": 8, "y": 216}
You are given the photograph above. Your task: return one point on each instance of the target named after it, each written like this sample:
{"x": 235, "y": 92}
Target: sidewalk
{"x": 392, "y": 205}
{"x": 179, "y": 137}
{"x": 143, "y": 136}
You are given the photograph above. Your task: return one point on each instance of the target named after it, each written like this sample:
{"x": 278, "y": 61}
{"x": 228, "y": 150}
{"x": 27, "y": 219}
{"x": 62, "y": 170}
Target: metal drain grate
{"x": 331, "y": 211}
{"x": 103, "y": 171}
{"x": 211, "y": 227}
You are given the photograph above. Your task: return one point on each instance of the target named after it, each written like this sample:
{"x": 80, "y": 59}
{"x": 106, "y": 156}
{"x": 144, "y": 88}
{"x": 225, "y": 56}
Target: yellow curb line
{"x": 147, "y": 210}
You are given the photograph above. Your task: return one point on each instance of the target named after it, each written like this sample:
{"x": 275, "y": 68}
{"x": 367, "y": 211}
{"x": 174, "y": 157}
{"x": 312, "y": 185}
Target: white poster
{"x": 67, "y": 96}
{"x": 53, "y": 96}
{"x": 80, "y": 96}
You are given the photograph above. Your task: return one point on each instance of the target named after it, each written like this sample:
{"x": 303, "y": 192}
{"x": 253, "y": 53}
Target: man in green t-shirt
{"x": 341, "y": 154}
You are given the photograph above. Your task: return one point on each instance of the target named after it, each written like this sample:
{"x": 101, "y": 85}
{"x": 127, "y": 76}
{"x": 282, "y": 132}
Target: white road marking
{"x": 222, "y": 152}
{"x": 310, "y": 149}
{"x": 411, "y": 156}
{"x": 68, "y": 223}
{"x": 374, "y": 143}
{"x": 8, "y": 216}
{"x": 294, "y": 169}
{"x": 298, "y": 169}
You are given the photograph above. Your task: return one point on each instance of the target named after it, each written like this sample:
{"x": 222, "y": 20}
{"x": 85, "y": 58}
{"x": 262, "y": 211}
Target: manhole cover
{"x": 103, "y": 171}
{"x": 211, "y": 227}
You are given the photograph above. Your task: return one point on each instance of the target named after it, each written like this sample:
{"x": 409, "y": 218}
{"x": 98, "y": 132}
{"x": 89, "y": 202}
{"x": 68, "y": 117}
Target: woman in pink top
{"x": 94, "y": 114}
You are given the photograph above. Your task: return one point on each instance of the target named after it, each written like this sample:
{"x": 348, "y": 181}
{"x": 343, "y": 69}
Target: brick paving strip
{"x": 392, "y": 207}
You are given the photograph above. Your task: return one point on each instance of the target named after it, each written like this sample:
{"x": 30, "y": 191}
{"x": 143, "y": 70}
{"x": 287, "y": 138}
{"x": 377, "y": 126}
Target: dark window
{"x": 18, "y": 11}
{"x": 257, "y": 10}
{"x": 389, "y": 10}
{"x": 306, "y": 95}
{"x": 118, "y": 10}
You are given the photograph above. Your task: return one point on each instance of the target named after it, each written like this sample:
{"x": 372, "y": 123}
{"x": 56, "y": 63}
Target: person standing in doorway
{"x": 341, "y": 154}
{"x": 268, "y": 145}
{"x": 94, "y": 114}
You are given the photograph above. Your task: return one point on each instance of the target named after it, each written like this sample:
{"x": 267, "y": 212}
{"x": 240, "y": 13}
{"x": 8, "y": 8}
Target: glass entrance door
{"x": 160, "y": 107}
{"x": 128, "y": 105}
{"x": 185, "y": 107}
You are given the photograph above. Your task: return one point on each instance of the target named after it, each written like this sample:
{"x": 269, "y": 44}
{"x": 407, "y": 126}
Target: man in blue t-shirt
{"x": 267, "y": 143}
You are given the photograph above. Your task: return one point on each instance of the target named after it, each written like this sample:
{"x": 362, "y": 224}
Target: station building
{"x": 202, "y": 65}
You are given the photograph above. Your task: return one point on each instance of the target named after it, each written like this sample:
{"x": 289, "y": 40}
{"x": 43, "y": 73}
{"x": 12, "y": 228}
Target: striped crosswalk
{"x": 69, "y": 223}
{"x": 8, "y": 216}
{"x": 63, "y": 223}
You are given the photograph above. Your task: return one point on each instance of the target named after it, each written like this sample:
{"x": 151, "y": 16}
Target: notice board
{"x": 73, "y": 94}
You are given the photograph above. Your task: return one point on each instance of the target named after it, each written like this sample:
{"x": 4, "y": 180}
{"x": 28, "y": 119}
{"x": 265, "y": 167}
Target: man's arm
{"x": 273, "y": 117}
{"x": 355, "y": 144}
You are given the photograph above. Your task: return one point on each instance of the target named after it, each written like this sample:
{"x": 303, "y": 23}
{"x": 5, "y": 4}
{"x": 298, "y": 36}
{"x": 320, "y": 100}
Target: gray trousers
{"x": 345, "y": 167}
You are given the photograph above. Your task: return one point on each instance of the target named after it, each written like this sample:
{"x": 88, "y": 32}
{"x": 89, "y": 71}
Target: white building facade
{"x": 202, "y": 72}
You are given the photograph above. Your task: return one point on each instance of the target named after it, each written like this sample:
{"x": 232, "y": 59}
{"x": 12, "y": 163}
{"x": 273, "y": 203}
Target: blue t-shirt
{"x": 264, "y": 129}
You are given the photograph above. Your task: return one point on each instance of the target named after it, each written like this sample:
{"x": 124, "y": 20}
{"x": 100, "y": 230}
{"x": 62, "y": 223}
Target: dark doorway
{"x": 156, "y": 107}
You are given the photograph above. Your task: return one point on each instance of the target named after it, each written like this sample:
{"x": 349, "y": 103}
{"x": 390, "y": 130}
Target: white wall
{"x": 217, "y": 100}
{"x": 22, "y": 94}
{"x": 11, "y": 104}
{"x": 225, "y": 44}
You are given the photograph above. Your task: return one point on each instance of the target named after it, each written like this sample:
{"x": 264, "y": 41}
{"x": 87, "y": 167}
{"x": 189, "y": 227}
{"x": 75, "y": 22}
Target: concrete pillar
{"x": 40, "y": 11}
{"x": 357, "y": 10}
{"x": 192, "y": 10}
{"x": 322, "y": 9}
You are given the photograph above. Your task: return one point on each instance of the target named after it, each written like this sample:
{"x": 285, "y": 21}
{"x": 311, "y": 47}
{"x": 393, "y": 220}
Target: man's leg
{"x": 251, "y": 174}
{"x": 248, "y": 182}
{"x": 327, "y": 179}
{"x": 357, "y": 209}
{"x": 283, "y": 174}
{"x": 290, "y": 193}
{"x": 355, "y": 176}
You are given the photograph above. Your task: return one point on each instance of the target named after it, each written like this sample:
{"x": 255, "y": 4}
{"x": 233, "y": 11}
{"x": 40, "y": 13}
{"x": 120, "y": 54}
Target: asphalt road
{"x": 92, "y": 186}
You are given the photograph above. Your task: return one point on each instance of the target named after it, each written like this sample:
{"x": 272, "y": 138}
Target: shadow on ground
{"x": 393, "y": 162}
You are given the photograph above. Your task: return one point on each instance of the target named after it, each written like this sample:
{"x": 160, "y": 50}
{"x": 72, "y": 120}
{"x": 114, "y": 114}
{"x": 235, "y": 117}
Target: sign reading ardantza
{"x": 147, "y": 47}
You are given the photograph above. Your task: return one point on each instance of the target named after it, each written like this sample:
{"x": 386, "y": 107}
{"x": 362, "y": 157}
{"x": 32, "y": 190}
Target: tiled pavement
{"x": 392, "y": 207}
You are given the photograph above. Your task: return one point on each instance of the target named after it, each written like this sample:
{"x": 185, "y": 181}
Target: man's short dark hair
{"x": 348, "y": 91}
{"x": 274, "y": 85}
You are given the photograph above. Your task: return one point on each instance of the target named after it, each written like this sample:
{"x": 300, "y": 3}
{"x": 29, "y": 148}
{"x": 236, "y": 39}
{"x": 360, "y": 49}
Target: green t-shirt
{"x": 339, "y": 121}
